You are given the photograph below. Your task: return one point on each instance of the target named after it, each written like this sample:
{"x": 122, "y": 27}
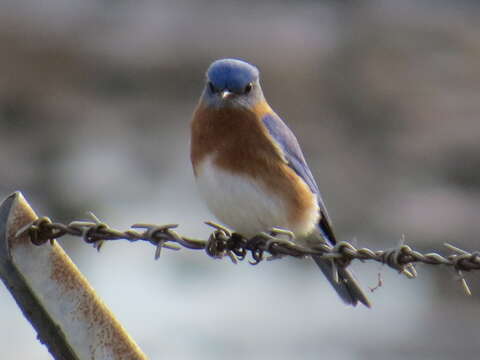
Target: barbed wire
{"x": 223, "y": 242}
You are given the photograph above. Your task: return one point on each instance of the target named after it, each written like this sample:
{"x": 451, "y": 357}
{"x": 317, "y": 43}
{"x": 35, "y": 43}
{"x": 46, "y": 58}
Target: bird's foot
{"x": 257, "y": 246}
{"x": 290, "y": 236}
{"x": 224, "y": 241}
{"x": 220, "y": 228}
{"x": 266, "y": 241}
{"x": 217, "y": 245}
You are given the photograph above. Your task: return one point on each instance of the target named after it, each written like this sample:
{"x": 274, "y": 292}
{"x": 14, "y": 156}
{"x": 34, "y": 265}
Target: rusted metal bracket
{"x": 70, "y": 319}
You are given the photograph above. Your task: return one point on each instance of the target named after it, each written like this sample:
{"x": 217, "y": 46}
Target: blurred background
{"x": 384, "y": 96}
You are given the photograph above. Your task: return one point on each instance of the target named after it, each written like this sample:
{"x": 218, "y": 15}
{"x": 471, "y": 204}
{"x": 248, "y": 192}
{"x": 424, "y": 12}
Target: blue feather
{"x": 295, "y": 159}
{"x": 232, "y": 74}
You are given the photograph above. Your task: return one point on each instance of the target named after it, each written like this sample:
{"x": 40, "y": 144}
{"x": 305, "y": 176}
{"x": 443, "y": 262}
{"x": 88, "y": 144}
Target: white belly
{"x": 240, "y": 203}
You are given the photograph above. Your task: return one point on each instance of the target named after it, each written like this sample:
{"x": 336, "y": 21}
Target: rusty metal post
{"x": 70, "y": 319}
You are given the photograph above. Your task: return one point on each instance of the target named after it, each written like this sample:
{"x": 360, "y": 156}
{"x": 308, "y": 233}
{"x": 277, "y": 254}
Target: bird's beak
{"x": 226, "y": 94}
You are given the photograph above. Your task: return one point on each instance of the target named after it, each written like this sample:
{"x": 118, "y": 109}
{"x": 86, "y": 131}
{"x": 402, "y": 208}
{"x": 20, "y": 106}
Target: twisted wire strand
{"x": 222, "y": 242}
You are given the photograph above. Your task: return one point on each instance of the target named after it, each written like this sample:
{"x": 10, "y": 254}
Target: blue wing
{"x": 347, "y": 287}
{"x": 289, "y": 144}
{"x": 294, "y": 156}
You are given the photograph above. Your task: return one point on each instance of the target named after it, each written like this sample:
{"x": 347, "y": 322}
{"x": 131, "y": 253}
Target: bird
{"x": 251, "y": 172}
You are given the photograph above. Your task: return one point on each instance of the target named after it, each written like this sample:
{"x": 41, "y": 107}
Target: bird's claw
{"x": 278, "y": 231}
{"x": 256, "y": 246}
{"x": 265, "y": 241}
{"x": 219, "y": 227}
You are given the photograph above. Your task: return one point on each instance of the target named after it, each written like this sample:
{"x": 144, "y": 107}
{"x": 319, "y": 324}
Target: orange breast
{"x": 240, "y": 143}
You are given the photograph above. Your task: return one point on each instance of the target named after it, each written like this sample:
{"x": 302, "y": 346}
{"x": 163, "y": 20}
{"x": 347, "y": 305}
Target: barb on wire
{"x": 276, "y": 244}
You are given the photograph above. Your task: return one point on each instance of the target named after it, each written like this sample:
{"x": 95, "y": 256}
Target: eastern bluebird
{"x": 251, "y": 171}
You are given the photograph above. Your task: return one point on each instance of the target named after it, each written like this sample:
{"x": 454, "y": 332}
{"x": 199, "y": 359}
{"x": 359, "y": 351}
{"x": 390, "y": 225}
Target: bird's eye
{"x": 211, "y": 87}
{"x": 248, "y": 88}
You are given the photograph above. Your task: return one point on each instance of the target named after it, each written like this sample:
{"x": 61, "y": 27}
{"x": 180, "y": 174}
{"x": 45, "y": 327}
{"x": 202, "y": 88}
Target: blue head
{"x": 232, "y": 82}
